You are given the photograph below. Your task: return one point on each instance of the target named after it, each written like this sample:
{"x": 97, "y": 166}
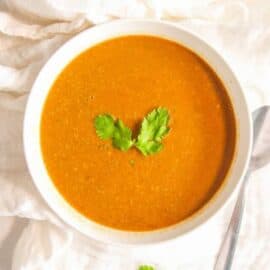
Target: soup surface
{"x": 128, "y": 77}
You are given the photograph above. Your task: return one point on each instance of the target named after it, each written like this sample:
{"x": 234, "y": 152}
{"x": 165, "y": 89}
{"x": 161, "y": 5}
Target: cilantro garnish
{"x": 153, "y": 129}
{"x": 104, "y": 124}
{"x": 107, "y": 128}
{"x": 122, "y": 136}
{"x": 146, "y": 267}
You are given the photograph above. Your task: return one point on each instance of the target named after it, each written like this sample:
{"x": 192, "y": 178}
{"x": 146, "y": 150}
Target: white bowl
{"x": 47, "y": 77}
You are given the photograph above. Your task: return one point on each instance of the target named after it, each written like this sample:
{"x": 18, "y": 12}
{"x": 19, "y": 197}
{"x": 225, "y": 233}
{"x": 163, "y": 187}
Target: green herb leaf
{"x": 153, "y": 130}
{"x": 107, "y": 128}
{"x": 148, "y": 148}
{"x": 104, "y": 125}
{"x": 122, "y": 136}
{"x": 146, "y": 267}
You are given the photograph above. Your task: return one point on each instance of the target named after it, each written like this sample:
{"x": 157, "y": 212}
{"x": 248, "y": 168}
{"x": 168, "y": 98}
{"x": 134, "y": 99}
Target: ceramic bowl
{"x": 57, "y": 63}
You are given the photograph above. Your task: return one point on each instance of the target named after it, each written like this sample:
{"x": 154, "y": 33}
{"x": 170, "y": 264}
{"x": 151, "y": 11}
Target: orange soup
{"x": 128, "y": 77}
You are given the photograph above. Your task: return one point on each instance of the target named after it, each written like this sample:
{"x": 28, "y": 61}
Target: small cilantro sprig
{"x": 122, "y": 136}
{"x": 154, "y": 128}
{"x": 149, "y": 141}
{"x": 146, "y": 267}
{"x": 104, "y": 125}
{"x": 107, "y": 128}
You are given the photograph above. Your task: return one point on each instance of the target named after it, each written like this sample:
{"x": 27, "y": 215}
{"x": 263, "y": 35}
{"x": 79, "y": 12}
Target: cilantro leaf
{"x": 122, "y": 136}
{"x": 146, "y": 267}
{"x": 153, "y": 129}
{"x": 104, "y": 125}
{"x": 148, "y": 148}
{"x": 107, "y": 128}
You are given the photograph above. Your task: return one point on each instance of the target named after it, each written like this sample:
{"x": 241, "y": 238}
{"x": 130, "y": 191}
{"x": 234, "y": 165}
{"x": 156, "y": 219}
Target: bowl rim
{"x": 55, "y": 65}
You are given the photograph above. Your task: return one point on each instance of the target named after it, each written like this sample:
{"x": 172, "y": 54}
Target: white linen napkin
{"x": 31, "y": 236}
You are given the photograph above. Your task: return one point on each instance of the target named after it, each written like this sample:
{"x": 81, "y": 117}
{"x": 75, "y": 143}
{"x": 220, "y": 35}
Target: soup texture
{"x": 128, "y": 77}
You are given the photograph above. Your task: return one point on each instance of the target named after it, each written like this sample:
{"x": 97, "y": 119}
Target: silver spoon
{"x": 260, "y": 157}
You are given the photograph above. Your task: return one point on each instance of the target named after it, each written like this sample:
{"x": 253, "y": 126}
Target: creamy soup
{"x": 128, "y": 77}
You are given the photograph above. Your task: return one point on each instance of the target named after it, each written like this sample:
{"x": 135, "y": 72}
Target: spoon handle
{"x": 227, "y": 249}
